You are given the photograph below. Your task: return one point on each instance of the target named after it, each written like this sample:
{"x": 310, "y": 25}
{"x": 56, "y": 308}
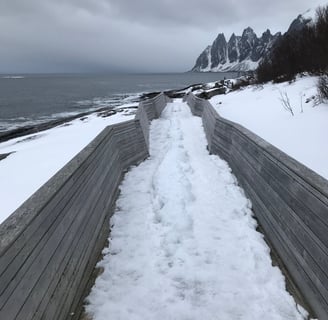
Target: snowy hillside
{"x": 260, "y": 109}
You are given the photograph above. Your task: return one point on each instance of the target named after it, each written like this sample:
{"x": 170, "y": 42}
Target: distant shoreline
{"x": 35, "y": 128}
{"x": 105, "y": 111}
{"x": 30, "y": 129}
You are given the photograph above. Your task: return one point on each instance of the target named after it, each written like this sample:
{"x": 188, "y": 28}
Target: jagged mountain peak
{"x": 239, "y": 53}
{"x": 300, "y": 22}
{"x": 266, "y": 35}
{"x": 243, "y": 52}
{"x": 248, "y": 31}
{"x": 267, "y": 32}
{"x": 233, "y": 37}
{"x": 221, "y": 37}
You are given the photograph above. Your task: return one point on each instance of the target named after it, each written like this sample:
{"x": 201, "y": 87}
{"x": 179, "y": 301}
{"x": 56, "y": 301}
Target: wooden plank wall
{"x": 149, "y": 110}
{"x": 289, "y": 200}
{"x": 50, "y": 245}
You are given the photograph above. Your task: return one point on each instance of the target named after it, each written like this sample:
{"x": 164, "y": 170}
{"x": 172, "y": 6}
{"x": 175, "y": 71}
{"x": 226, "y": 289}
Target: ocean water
{"x": 31, "y": 99}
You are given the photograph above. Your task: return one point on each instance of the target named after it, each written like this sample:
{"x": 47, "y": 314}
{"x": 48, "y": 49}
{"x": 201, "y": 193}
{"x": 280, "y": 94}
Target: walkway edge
{"x": 289, "y": 200}
{"x": 50, "y": 245}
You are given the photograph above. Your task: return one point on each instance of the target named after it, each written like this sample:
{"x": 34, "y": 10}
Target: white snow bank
{"x": 302, "y": 136}
{"x": 37, "y": 157}
{"x": 183, "y": 243}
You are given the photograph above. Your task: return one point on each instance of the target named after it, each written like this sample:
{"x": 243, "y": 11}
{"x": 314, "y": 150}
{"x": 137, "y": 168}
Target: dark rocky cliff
{"x": 241, "y": 53}
{"x": 238, "y": 54}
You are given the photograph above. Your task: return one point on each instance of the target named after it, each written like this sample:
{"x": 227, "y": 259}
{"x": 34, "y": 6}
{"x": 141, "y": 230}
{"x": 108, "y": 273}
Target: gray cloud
{"x": 126, "y": 35}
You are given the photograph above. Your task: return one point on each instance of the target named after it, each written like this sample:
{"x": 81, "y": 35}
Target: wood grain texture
{"x": 50, "y": 245}
{"x": 149, "y": 110}
{"x": 289, "y": 200}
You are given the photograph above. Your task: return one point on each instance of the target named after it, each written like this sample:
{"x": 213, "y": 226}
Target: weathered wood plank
{"x": 289, "y": 200}
{"x": 53, "y": 216}
{"x": 298, "y": 274}
{"x": 308, "y": 207}
{"x": 304, "y": 242}
{"x": 49, "y": 246}
{"x": 61, "y": 239}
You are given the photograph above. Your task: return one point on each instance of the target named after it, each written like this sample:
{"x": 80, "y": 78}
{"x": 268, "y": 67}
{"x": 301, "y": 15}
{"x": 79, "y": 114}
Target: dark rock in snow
{"x": 5, "y": 155}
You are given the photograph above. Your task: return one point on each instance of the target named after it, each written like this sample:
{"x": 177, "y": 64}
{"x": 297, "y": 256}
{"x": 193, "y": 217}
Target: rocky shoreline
{"x": 202, "y": 90}
{"x": 30, "y": 129}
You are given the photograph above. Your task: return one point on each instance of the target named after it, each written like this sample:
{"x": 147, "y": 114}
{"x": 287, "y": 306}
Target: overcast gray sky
{"x": 127, "y": 35}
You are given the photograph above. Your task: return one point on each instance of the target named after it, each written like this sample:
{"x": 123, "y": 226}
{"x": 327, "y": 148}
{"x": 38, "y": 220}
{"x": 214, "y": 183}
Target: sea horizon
{"x": 34, "y": 98}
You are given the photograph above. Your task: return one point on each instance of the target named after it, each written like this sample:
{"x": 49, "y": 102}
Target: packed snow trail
{"x": 183, "y": 243}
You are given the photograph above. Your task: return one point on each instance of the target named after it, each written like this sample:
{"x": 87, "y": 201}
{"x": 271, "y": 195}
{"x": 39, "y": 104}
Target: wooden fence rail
{"x": 49, "y": 246}
{"x": 289, "y": 200}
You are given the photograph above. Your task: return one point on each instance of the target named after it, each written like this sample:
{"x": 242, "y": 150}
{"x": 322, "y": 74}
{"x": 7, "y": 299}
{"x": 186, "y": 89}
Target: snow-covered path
{"x": 183, "y": 243}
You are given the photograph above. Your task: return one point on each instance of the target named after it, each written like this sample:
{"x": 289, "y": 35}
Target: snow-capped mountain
{"x": 302, "y": 20}
{"x": 241, "y": 53}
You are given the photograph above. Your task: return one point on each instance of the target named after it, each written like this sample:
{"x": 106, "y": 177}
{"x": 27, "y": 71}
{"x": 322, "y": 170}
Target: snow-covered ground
{"x": 184, "y": 243}
{"x": 302, "y": 136}
{"x": 37, "y": 157}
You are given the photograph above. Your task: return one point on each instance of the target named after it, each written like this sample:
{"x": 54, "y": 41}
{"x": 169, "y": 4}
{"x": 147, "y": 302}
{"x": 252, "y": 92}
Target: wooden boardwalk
{"x": 50, "y": 245}
{"x": 289, "y": 200}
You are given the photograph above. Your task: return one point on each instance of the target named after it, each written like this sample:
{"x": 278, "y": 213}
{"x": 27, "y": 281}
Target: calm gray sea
{"x": 29, "y": 99}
